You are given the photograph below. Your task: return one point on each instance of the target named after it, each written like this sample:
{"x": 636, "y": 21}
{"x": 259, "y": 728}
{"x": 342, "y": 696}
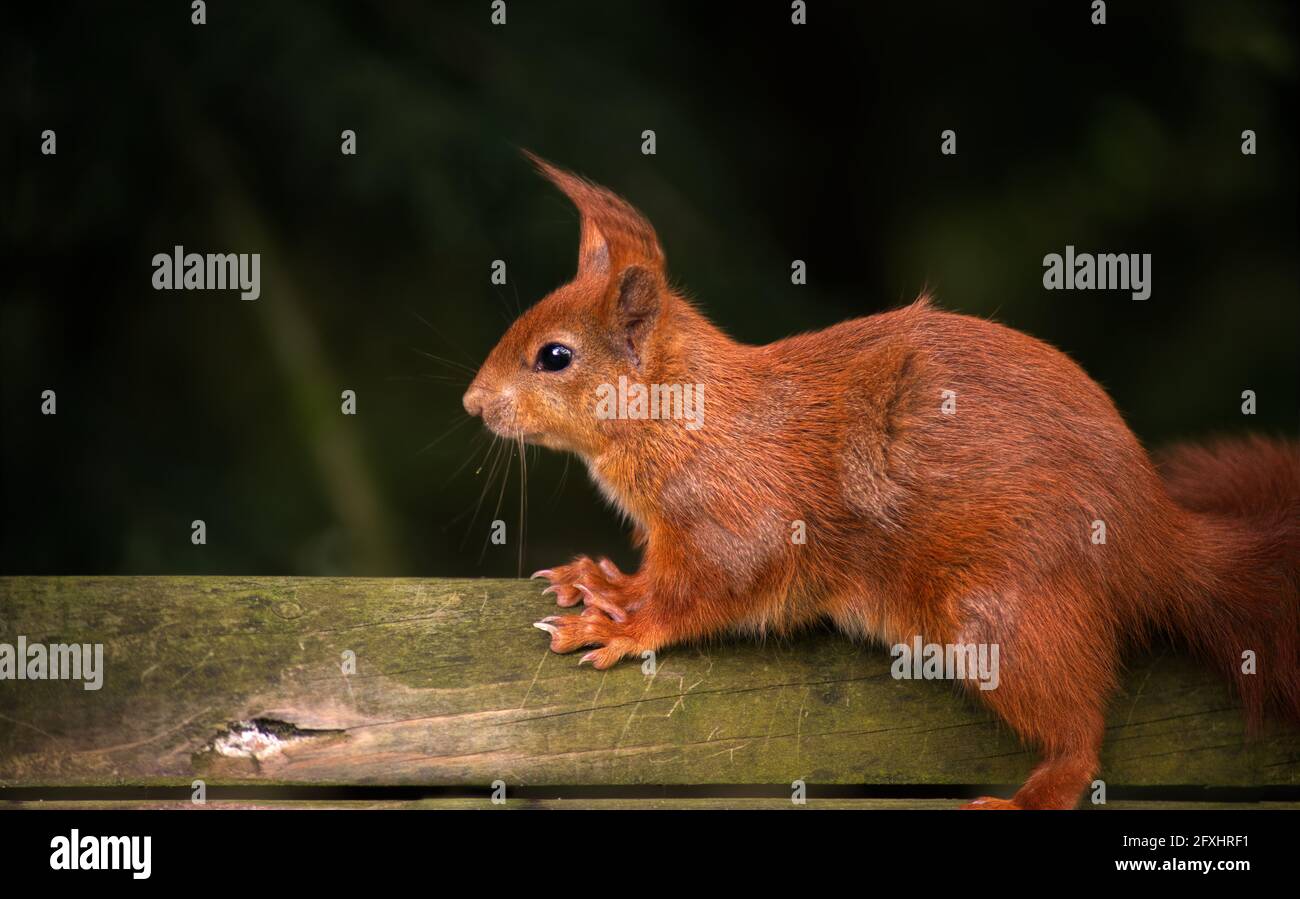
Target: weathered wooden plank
{"x": 454, "y": 686}
{"x": 462, "y": 804}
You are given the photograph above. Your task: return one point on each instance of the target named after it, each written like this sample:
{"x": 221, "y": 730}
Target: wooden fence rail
{"x": 240, "y": 681}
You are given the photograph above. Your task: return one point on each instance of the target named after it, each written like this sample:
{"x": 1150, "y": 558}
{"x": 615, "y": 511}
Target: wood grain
{"x": 454, "y": 687}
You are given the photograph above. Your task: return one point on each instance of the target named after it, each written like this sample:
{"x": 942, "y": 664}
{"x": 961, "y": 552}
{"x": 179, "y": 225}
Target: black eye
{"x": 554, "y": 357}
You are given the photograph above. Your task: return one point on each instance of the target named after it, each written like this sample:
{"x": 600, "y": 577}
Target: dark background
{"x": 775, "y": 142}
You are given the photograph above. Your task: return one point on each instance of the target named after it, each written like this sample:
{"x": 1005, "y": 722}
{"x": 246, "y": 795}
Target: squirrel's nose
{"x": 473, "y": 400}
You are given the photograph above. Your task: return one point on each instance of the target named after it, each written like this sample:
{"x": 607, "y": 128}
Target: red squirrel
{"x": 949, "y": 474}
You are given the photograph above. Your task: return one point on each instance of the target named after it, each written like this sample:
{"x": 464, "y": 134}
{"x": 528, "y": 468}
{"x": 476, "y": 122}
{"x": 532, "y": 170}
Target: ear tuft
{"x": 614, "y": 234}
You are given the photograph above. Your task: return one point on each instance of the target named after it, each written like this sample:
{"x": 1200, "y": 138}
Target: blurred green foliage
{"x": 774, "y": 143}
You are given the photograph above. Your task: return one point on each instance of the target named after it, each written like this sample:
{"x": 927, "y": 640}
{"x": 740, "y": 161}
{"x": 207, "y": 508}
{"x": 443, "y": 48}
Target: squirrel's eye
{"x": 554, "y": 357}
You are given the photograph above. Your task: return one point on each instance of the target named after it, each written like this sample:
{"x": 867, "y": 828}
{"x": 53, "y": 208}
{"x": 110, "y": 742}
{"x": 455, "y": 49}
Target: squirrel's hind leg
{"x": 1067, "y": 769}
{"x": 1052, "y": 691}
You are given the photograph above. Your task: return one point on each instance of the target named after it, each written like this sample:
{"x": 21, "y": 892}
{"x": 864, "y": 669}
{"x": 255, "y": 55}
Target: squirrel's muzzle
{"x": 474, "y": 400}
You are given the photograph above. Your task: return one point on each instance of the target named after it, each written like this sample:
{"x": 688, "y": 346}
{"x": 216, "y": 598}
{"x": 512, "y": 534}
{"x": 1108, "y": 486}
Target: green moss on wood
{"x": 454, "y": 686}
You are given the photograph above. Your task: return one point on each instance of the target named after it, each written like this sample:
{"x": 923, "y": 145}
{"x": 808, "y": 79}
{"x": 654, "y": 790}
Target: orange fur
{"x": 966, "y": 527}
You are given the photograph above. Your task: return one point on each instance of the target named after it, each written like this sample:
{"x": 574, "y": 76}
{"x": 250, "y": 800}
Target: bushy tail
{"x": 1242, "y": 574}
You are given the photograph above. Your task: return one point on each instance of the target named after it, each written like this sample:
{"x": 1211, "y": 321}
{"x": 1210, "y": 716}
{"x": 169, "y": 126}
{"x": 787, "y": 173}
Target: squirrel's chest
{"x": 614, "y": 480}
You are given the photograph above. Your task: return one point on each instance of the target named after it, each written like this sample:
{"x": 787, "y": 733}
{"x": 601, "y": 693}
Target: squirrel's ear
{"x": 614, "y": 235}
{"x": 620, "y": 249}
{"x": 634, "y": 304}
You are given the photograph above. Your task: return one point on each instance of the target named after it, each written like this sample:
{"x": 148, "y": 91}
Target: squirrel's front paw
{"x": 593, "y": 628}
{"x": 597, "y": 584}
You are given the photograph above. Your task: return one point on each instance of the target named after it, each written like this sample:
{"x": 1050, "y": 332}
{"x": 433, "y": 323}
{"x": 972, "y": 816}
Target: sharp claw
{"x": 546, "y": 626}
{"x": 589, "y": 657}
{"x": 609, "y": 608}
{"x": 547, "y": 573}
{"x": 554, "y": 588}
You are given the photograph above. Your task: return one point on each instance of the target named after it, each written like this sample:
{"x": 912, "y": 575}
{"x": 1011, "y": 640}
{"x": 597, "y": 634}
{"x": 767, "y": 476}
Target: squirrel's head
{"x": 542, "y": 380}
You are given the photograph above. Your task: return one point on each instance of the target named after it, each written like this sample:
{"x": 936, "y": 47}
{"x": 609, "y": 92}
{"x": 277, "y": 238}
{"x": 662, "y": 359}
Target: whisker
{"x": 519, "y": 309}
{"x": 463, "y": 418}
{"x": 564, "y": 475}
{"x": 505, "y": 308}
{"x": 478, "y": 440}
{"x": 496, "y": 513}
{"x": 461, "y": 382}
{"x": 492, "y": 458}
{"x": 523, "y": 503}
{"x": 436, "y": 333}
{"x": 444, "y": 360}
